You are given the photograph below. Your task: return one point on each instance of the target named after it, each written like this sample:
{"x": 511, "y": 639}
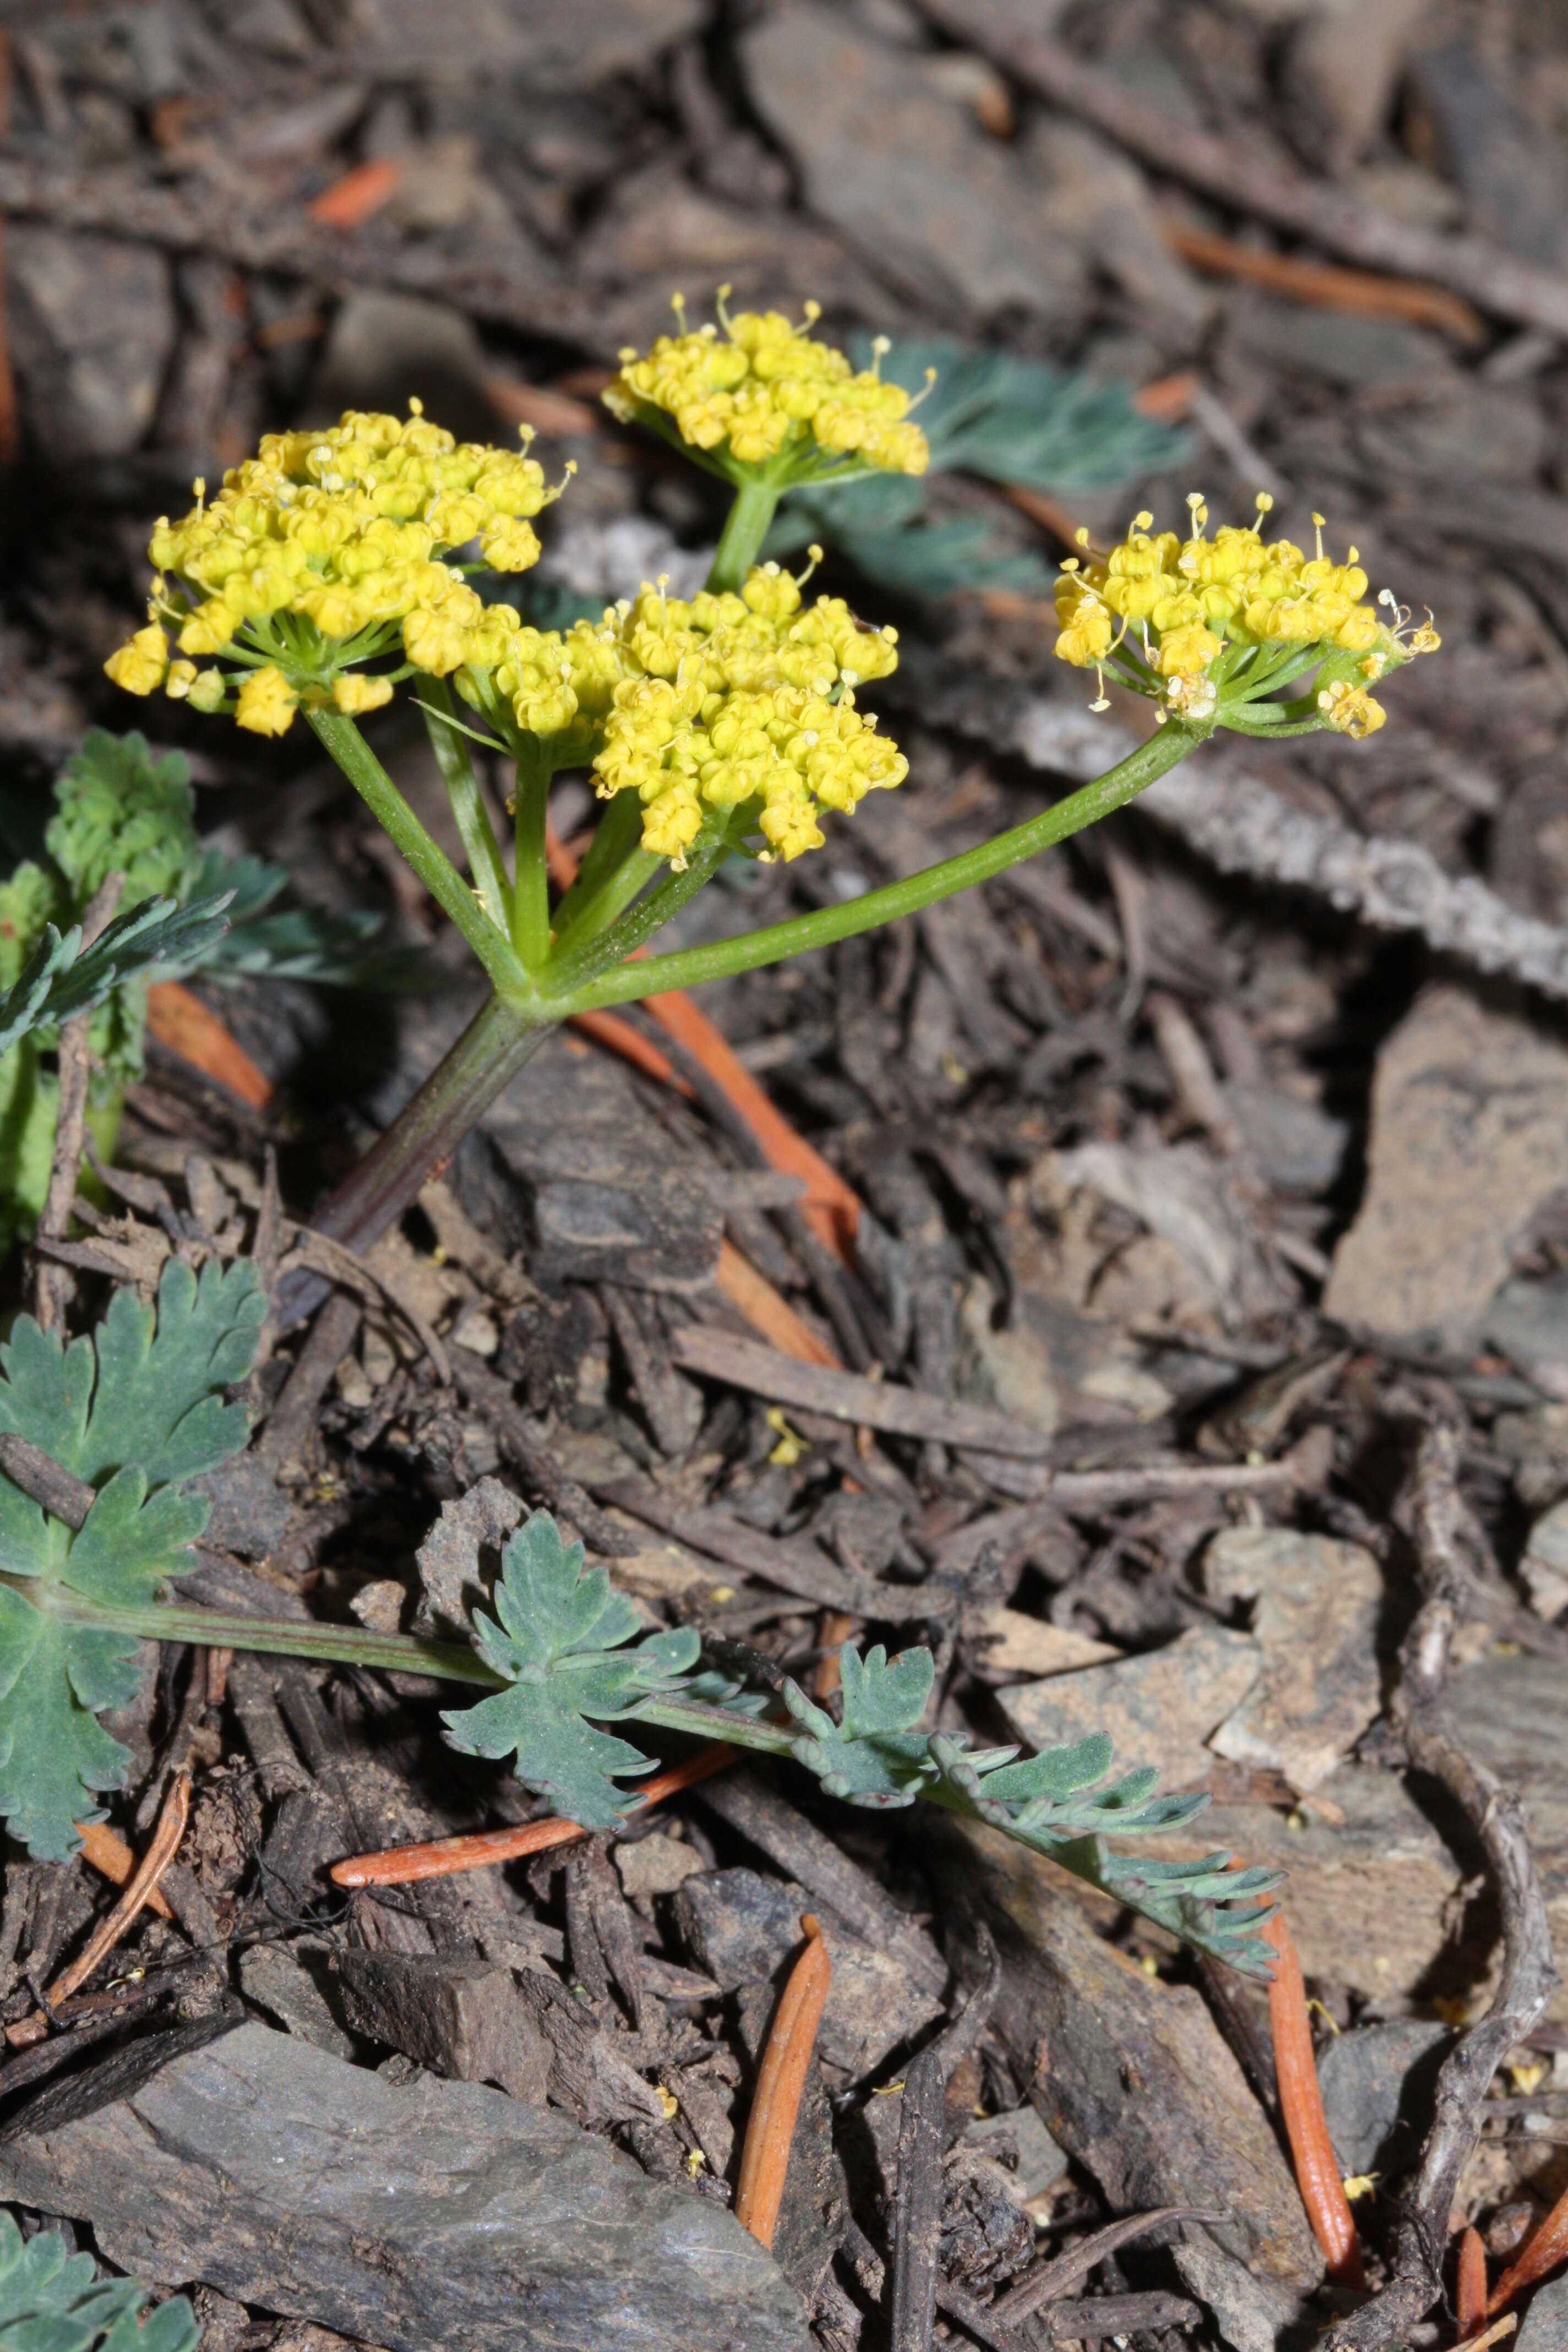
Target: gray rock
{"x": 1545, "y": 2327}
{"x": 1159, "y": 1708}
{"x": 463, "y": 2019}
{"x": 92, "y": 327}
{"x": 906, "y": 173}
{"x": 742, "y": 1928}
{"x": 249, "y": 1509}
{"x": 1362, "y": 354}
{"x": 458, "y": 1558}
{"x": 1298, "y": 1147}
{"x": 384, "y": 347}
{"x": 1315, "y": 1606}
{"x": 1020, "y": 2132}
{"x": 543, "y": 49}
{"x": 283, "y": 1979}
{"x": 1515, "y": 178}
{"x": 1379, "y": 2084}
{"x": 1469, "y": 1136}
{"x": 1529, "y": 1321}
{"x": 432, "y": 2217}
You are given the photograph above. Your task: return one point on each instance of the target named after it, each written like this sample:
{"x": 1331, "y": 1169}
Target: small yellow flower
{"x": 356, "y": 694}
{"x": 1350, "y": 710}
{"x": 139, "y": 666}
{"x": 207, "y": 690}
{"x": 267, "y": 702}
{"x": 509, "y": 544}
{"x": 768, "y": 388}
{"x": 435, "y": 640}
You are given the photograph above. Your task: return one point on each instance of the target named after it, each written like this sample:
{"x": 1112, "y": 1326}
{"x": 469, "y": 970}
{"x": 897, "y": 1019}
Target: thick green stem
{"x": 748, "y": 524}
{"x": 424, "y": 1134}
{"x": 690, "y": 967}
{"x": 616, "y": 839}
{"x": 365, "y": 771}
{"x": 531, "y": 898}
{"x": 485, "y": 861}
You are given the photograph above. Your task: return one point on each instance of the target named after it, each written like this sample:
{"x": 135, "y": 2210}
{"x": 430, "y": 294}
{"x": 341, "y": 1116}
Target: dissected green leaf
{"x": 60, "y": 978}
{"x": 561, "y": 1646}
{"x": 118, "y": 810}
{"x": 133, "y": 1411}
{"x": 874, "y": 1757}
{"x": 52, "y": 2301}
{"x": 1010, "y": 420}
{"x": 298, "y": 943}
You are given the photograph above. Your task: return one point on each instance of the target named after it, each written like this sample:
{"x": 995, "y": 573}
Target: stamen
{"x": 416, "y": 405}
{"x": 881, "y": 346}
{"x": 1318, "y": 526}
{"x": 929, "y": 388}
{"x": 813, "y": 557}
{"x": 721, "y": 297}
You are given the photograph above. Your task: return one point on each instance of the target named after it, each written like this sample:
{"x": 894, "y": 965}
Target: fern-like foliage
{"x": 265, "y": 941}
{"x": 52, "y": 2301}
{"x": 134, "y": 1412}
{"x": 561, "y": 1646}
{"x": 61, "y": 978}
{"x": 1009, "y": 420}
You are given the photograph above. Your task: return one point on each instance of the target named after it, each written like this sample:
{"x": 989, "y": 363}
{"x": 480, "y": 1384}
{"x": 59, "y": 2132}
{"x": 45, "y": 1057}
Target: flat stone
{"x": 92, "y": 326}
{"x": 425, "y": 2217}
{"x": 463, "y": 2019}
{"x": 742, "y": 1928}
{"x": 287, "y": 1981}
{"x": 1514, "y": 177}
{"x": 1469, "y": 1136}
{"x": 461, "y": 1557}
{"x": 1315, "y": 1613}
{"x": 1159, "y": 1708}
{"x": 1379, "y": 2086}
{"x": 655, "y": 1865}
{"x": 905, "y": 172}
{"x": 1545, "y": 2327}
{"x": 1529, "y": 1321}
{"x": 1544, "y": 1566}
{"x": 1040, "y": 2161}
{"x": 1360, "y": 355}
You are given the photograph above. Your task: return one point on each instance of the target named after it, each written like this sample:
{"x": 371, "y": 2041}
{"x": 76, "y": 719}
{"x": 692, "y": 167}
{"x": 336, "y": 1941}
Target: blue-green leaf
{"x": 134, "y": 1412}
{"x": 874, "y": 1757}
{"x": 60, "y": 978}
{"x": 561, "y": 1646}
{"x": 54, "y": 2302}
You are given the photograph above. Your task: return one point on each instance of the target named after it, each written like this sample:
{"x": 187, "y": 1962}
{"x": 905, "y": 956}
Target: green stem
{"x": 744, "y": 532}
{"x": 718, "y": 1723}
{"x": 485, "y": 862}
{"x": 276, "y": 1637}
{"x": 690, "y": 967}
{"x": 616, "y": 839}
{"x": 365, "y": 771}
{"x": 424, "y": 1134}
{"x": 619, "y": 940}
{"x": 531, "y": 898}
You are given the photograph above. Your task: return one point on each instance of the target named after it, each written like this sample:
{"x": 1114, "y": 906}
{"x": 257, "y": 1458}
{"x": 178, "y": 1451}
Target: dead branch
{"x": 52, "y": 1284}
{"x": 1420, "y": 1715}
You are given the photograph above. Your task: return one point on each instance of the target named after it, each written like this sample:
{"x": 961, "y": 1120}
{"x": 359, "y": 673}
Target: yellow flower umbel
{"x": 322, "y": 553}
{"x": 763, "y": 398}
{"x": 1213, "y": 628}
{"x": 717, "y": 704}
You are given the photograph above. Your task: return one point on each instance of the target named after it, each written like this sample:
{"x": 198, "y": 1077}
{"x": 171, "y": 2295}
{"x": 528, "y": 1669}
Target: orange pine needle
{"x": 107, "y": 1852}
{"x": 360, "y": 193}
{"x": 1302, "y": 2105}
{"x": 767, "y": 1311}
{"x": 1542, "y": 2253}
{"x": 830, "y": 1206}
{"x": 1470, "y": 2289}
{"x": 191, "y": 1029}
{"x": 607, "y": 1029}
{"x": 781, "y": 2085}
{"x": 1327, "y": 287}
{"x": 444, "y": 1857}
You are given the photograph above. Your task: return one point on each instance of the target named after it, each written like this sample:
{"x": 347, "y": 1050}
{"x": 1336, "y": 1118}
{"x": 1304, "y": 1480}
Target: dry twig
{"x": 1420, "y": 1715}
{"x": 52, "y": 1284}
{"x": 918, "y": 2229}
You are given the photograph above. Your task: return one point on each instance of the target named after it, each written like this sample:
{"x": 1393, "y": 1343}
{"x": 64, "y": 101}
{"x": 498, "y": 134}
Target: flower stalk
{"x": 323, "y": 570}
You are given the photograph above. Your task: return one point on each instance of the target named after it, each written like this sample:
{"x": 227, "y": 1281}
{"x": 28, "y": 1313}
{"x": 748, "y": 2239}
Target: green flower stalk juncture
{"x": 335, "y": 567}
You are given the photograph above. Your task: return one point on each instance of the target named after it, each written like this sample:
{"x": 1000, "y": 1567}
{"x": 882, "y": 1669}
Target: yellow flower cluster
{"x": 318, "y": 552}
{"x": 1180, "y": 605}
{"x": 708, "y": 703}
{"x": 766, "y": 388}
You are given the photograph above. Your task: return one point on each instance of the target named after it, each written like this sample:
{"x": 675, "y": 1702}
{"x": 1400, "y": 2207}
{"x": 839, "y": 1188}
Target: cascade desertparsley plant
{"x": 336, "y": 566}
